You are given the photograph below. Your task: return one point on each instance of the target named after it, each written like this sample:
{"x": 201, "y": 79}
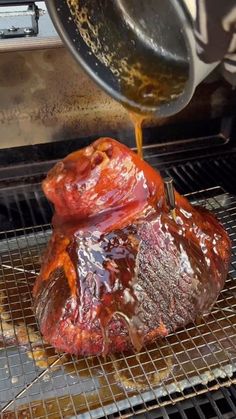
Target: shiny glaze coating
{"x": 119, "y": 271}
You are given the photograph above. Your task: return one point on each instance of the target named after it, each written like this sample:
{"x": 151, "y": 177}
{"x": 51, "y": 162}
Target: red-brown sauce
{"x": 101, "y": 194}
{"x": 137, "y": 120}
{"x": 98, "y": 238}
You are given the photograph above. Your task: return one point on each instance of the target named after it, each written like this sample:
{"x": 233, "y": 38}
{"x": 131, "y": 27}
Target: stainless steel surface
{"x": 36, "y": 381}
{"x": 18, "y": 16}
{"x": 18, "y": 31}
{"x": 15, "y": 13}
{"x": 46, "y": 97}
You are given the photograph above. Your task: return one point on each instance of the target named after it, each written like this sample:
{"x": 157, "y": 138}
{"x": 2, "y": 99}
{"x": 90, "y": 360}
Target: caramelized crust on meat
{"x": 119, "y": 271}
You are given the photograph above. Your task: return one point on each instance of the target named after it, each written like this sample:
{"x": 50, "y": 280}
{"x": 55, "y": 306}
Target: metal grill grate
{"x": 36, "y": 381}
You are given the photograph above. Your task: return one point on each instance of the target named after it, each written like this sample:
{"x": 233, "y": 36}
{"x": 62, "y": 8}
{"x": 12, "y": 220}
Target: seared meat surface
{"x": 120, "y": 270}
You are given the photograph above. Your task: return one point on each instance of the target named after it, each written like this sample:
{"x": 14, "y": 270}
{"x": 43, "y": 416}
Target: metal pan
{"x": 142, "y": 53}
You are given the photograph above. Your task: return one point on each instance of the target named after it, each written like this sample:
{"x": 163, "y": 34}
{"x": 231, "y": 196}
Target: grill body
{"x": 49, "y": 108}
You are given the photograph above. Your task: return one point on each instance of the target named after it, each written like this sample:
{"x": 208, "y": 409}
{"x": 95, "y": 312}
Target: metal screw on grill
{"x": 17, "y": 32}
{"x": 170, "y": 195}
{"x": 13, "y": 29}
{"x": 28, "y": 31}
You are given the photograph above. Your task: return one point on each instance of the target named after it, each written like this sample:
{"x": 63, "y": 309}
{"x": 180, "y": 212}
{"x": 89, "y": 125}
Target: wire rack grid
{"x": 37, "y": 382}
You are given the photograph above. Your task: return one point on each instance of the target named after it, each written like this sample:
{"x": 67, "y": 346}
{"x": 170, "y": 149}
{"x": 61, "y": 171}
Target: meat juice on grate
{"x": 132, "y": 373}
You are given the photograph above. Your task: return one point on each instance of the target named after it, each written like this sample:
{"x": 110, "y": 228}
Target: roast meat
{"x": 121, "y": 269}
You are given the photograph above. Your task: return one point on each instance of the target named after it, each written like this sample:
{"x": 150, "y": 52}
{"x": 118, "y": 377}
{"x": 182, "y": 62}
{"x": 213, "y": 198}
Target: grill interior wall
{"x": 29, "y": 114}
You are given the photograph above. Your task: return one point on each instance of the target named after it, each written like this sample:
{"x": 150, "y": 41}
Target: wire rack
{"x": 38, "y": 382}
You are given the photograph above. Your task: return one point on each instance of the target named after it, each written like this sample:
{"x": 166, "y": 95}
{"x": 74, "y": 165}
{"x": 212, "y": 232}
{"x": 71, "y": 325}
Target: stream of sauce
{"x": 137, "y": 120}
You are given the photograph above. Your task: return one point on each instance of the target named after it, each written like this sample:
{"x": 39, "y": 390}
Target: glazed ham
{"x": 121, "y": 269}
